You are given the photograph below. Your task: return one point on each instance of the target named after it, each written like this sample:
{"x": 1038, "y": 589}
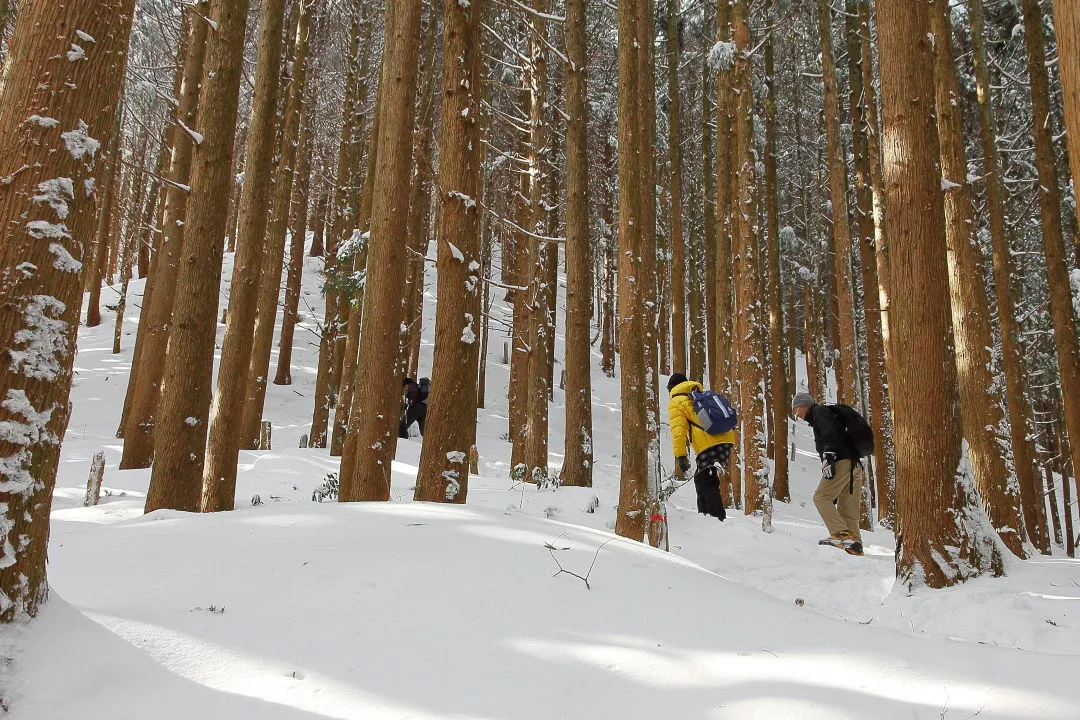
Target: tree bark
{"x": 781, "y": 402}
{"x": 578, "y": 455}
{"x": 298, "y": 230}
{"x": 47, "y": 218}
{"x": 930, "y": 479}
{"x": 846, "y": 365}
{"x": 176, "y": 478}
{"x": 678, "y": 244}
{"x": 157, "y": 311}
{"x": 372, "y": 439}
{"x": 868, "y": 214}
{"x": 273, "y": 261}
{"x": 633, "y": 481}
{"x": 1061, "y": 311}
{"x": 1023, "y": 451}
{"x": 451, "y": 422}
{"x": 223, "y": 443}
{"x": 1067, "y": 31}
{"x": 981, "y": 413}
{"x": 100, "y": 261}
{"x": 720, "y": 320}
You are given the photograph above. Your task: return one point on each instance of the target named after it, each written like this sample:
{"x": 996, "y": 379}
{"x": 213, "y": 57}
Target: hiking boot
{"x": 854, "y": 548}
{"x": 841, "y": 539}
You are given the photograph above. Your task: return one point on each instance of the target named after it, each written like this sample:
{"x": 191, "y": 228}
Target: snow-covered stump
{"x": 304, "y": 440}
{"x": 474, "y": 460}
{"x": 265, "y": 433}
{"x": 93, "y": 483}
{"x": 506, "y": 354}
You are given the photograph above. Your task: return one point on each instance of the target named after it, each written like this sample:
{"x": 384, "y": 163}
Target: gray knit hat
{"x": 802, "y": 399}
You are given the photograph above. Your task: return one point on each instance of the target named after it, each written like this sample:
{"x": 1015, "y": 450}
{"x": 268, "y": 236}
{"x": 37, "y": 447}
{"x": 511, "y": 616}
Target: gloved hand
{"x": 684, "y": 463}
{"x": 828, "y": 465}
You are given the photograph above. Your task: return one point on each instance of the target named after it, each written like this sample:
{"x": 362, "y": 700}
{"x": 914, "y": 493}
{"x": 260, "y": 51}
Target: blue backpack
{"x": 714, "y": 412}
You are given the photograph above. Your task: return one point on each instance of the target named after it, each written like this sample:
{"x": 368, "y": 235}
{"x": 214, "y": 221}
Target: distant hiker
{"x": 416, "y": 395}
{"x": 839, "y": 494}
{"x": 693, "y": 413}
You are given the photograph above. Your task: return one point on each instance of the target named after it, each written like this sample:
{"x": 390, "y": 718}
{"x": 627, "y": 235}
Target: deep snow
{"x": 400, "y": 610}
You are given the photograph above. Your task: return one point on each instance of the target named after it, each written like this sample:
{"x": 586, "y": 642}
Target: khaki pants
{"x": 839, "y": 500}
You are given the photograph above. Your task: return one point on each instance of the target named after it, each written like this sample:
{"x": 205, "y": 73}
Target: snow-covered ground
{"x": 295, "y": 609}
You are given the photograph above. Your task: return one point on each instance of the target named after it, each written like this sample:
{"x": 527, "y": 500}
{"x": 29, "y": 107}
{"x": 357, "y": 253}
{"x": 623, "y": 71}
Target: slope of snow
{"x": 413, "y": 611}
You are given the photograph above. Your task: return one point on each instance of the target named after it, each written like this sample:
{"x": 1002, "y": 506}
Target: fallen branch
{"x": 585, "y": 579}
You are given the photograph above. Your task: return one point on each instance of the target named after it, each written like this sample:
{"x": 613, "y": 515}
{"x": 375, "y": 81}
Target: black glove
{"x": 828, "y": 465}
{"x": 684, "y": 463}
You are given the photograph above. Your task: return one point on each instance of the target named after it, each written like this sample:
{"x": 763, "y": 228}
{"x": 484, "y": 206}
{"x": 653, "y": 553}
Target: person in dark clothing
{"x": 712, "y": 451}
{"x": 838, "y": 498}
{"x": 415, "y": 405}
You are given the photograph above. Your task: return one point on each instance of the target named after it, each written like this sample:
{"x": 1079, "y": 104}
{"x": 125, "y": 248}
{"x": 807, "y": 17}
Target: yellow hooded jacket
{"x": 684, "y": 422}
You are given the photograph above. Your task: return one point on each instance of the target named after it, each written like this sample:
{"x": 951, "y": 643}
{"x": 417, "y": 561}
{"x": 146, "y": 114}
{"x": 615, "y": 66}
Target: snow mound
{"x": 408, "y": 610}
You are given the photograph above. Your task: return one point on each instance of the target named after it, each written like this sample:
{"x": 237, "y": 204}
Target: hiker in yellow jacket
{"x": 711, "y": 451}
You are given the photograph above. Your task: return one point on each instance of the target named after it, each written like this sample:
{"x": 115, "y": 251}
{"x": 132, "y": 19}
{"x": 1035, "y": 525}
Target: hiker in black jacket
{"x": 838, "y": 498}
{"x": 415, "y": 410}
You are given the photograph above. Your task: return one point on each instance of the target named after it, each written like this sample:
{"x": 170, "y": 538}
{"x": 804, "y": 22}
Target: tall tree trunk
{"x": 633, "y": 482}
{"x": 318, "y": 223}
{"x": 110, "y": 173}
{"x": 176, "y": 478}
{"x": 444, "y": 467}
{"x": 780, "y": 406}
{"x": 355, "y": 218}
{"x": 270, "y": 281}
{"x": 525, "y": 360}
{"x": 678, "y": 244}
{"x": 846, "y": 364}
{"x": 704, "y": 245}
{"x": 751, "y": 380}
{"x": 1067, "y": 31}
{"x": 1023, "y": 451}
{"x": 930, "y": 479}
{"x": 348, "y": 148}
{"x": 868, "y": 210}
{"x": 981, "y": 412}
{"x": 372, "y": 440}
{"x": 155, "y": 211}
{"x": 157, "y": 310}
{"x": 720, "y": 319}
{"x": 578, "y": 454}
{"x": 223, "y": 444}
{"x": 1061, "y": 310}
{"x": 47, "y": 218}
{"x": 298, "y": 229}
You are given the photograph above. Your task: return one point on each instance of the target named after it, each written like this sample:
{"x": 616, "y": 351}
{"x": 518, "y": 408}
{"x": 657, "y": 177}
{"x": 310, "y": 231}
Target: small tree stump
{"x": 562, "y": 380}
{"x": 93, "y": 483}
{"x": 264, "y": 435}
{"x": 506, "y": 354}
{"x": 474, "y": 460}
{"x": 304, "y": 440}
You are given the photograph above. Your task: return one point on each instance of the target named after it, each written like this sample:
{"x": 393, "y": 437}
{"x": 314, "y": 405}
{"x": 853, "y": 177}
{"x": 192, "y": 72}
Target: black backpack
{"x": 859, "y": 434}
{"x": 424, "y": 389}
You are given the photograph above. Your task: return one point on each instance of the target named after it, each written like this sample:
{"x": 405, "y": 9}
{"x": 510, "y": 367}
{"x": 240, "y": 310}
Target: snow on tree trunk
{"x": 47, "y": 216}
